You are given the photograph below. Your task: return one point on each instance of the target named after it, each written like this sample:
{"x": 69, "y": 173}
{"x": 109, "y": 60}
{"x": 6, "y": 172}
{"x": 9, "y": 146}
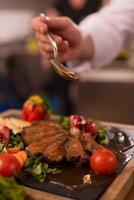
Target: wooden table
{"x": 38, "y": 195}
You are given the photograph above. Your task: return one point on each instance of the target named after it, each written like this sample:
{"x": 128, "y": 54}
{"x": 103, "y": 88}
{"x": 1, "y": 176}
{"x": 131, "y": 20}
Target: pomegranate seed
{"x": 1, "y": 137}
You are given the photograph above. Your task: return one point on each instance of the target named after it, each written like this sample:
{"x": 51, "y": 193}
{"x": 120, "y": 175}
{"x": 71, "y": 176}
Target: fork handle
{"x": 53, "y": 44}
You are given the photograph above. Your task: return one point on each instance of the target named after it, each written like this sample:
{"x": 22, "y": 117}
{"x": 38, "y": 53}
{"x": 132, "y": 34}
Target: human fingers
{"x": 39, "y": 26}
{"x": 48, "y": 48}
{"x": 45, "y": 47}
{"x": 47, "y": 52}
{"x": 46, "y": 55}
{"x": 42, "y": 38}
{"x": 59, "y": 41}
{"x": 58, "y": 23}
{"x": 63, "y": 49}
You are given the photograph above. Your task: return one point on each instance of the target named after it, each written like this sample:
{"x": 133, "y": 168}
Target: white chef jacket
{"x": 111, "y": 29}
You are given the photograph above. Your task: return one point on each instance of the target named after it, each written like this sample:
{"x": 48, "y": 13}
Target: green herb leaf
{"x": 15, "y": 141}
{"x": 1, "y": 147}
{"x": 10, "y": 190}
{"x": 36, "y": 167}
{"x": 102, "y": 137}
{"x": 64, "y": 122}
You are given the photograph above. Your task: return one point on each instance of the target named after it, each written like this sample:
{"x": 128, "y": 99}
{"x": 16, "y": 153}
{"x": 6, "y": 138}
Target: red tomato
{"x": 9, "y": 165}
{"x": 40, "y": 109}
{"x": 33, "y": 112}
{"x": 34, "y": 116}
{"x": 27, "y": 110}
{"x": 103, "y": 161}
{"x": 5, "y": 135}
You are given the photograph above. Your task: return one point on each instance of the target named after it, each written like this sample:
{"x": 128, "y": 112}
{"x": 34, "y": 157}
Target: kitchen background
{"x": 106, "y": 94}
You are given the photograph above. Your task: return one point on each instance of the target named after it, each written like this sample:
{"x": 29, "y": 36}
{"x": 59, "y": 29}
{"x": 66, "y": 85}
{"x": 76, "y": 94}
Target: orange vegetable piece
{"x": 21, "y": 156}
{"x": 13, "y": 150}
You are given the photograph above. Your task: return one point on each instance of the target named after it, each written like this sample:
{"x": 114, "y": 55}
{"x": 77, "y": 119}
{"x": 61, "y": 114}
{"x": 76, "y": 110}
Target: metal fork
{"x": 57, "y": 65}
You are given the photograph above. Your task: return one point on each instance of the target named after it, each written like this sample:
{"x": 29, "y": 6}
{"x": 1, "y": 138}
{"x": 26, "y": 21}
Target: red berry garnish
{"x": 77, "y": 121}
{"x": 90, "y": 127}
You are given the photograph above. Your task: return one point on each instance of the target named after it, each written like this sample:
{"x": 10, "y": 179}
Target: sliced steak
{"x": 38, "y": 146}
{"x": 56, "y": 143}
{"x": 89, "y": 143}
{"x": 46, "y": 137}
{"x": 75, "y": 151}
{"x": 40, "y": 130}
{"x": 56, "y": 151}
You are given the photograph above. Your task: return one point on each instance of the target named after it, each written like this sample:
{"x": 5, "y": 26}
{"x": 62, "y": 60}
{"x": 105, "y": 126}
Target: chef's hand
{"x": 65, "y": 33}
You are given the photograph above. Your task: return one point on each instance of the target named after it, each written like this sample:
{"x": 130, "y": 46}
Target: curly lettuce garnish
{"x": 39, "y": 169}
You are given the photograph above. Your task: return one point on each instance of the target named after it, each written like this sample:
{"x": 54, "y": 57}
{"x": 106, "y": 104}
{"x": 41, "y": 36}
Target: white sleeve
{"x": 110, "y": 29}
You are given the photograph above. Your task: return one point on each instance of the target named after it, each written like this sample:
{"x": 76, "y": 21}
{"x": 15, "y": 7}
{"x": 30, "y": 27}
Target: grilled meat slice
{"x": 89, "y": 143}
{"x": 74, "y": 150}
{"x": 55, "y": 152}
{"x": 38, "y": 146}
{"x": 40, "y": 130}
{"x": 46, "y": 137}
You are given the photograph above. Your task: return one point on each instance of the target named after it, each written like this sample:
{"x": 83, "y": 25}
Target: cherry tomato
{"x": 4, "y": 135}
{"x": 103, "y": 161}
{"x": 9, "y": 165}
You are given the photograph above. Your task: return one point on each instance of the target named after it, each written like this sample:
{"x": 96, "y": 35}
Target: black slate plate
{"x": 69, "y": 182}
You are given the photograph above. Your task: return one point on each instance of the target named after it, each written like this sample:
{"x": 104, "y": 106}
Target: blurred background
{"x": 106, "y": 94}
